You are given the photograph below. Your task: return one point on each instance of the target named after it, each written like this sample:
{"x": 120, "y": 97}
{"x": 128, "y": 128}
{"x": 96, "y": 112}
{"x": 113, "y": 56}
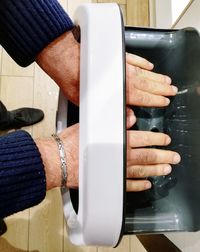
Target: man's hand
{"x": 144, "y": 162}
{"x": 141, "y": 162}
{"x": 144, "y": 87}
{"x": 61, "y": 61}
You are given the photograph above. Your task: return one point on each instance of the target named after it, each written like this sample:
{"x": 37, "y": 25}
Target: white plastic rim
{"x": 101, "y": 145}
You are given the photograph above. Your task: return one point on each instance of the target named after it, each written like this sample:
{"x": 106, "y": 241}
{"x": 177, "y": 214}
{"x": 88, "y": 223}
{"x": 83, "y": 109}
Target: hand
{"x": 141, "y": 163}
{"x": 144, "y": 162}
{"x": 61, "y": 61}
{"x": 50, "y": 156}
{"x": 144, "y": 87}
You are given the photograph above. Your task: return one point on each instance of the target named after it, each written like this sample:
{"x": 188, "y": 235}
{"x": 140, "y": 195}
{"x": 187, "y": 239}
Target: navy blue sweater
{"x": 26, "y": 27}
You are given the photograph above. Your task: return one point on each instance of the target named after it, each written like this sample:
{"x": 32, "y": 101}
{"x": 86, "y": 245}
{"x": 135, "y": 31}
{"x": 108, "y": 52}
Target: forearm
{"x": 28, "y": 168}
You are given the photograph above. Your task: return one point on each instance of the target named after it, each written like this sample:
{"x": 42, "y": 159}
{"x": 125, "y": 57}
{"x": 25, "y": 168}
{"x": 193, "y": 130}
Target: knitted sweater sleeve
{"x": 28, "y": 26}
{"x": 22, "y": 176}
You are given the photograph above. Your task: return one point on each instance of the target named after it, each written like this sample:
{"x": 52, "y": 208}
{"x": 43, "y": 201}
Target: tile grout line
{"x": 16, "y": 76}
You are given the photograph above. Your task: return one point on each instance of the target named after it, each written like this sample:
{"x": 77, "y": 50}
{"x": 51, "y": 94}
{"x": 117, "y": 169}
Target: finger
{"x": 150, "y": 86}
{"x": 135, "y": 60}
{"x": 151, "y": 75}
{"x": 137, "y": 97}
{"x": 146, "y": 138}
{"x": 157, "y": 77}
{"x": 130, "y": 118}
{"x": 152, "y": 156}
{"x": 143, "y": 171}
{"x": 137, "y": 185}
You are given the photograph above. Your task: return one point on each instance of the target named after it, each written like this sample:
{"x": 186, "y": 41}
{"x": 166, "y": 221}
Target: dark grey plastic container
{"x": 173, "y": 203}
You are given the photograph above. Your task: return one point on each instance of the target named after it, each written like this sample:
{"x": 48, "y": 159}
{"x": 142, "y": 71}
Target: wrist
{"x": 50, "y": 158}
{"x": 48, "y": 149}
{"x": 60, "y": 60}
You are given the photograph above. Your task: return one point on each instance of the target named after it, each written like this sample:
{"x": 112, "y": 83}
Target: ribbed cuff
{"x": 22, "y": 175}
{"x": 28, "y": 26}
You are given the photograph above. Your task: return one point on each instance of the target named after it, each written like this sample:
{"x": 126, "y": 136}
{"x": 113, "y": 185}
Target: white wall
{"x": 166, "y": 12}
{"x": 177, "y": 7}
{"x": 191, "y": 18}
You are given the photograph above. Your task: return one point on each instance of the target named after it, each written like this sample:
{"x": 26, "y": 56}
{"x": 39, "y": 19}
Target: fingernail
{"x": 147, "y": 185}
{"x": 168, "y": 140}
{"x": 167, "y": 169}
{"x": 131, "y": 119}
{"x": 131, "y": 116}
{"x": 168, "y": 80}
{"x": 175, "y": 89}
{"x": 129, "y": 112}
{"x": 176, "y": 159}
{"x": 151, "y": 65}
{"x": 167, "y": 101}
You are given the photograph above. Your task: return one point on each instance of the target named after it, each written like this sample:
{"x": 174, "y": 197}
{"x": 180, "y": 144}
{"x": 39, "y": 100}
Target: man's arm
{"x": 28, "y": 26}
{"x": 22, "y": 175}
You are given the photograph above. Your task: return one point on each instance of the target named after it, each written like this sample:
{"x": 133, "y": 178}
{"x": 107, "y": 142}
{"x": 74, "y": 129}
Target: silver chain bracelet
{"x": 62, "y": 160}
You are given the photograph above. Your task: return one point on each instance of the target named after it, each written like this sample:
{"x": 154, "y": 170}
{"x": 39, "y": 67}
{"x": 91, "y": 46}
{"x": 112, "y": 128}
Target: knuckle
{"x": 150, "y": 156}
{"x": 143, "y": 99}
{"x": 138, "y": 70}
{"x": 130, "y": 172}
{"x": 135, "y": 186}
{"x": 144, "y": 84}
{"x": 140, "y": 157}
{"x": 140, "y": 99}
{"x": 141, "y": 172}
{"x": 161, "y": 78}
{"x": 146, "y": 100}
{"x": 145, "y": 156}
{"x": 146, "y": 139}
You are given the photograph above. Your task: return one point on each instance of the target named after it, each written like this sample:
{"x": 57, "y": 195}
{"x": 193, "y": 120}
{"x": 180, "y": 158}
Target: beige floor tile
{"x": 46, "y": 224}
{"x": 45, "y": 97}
{"x": 16, "y": 237}
{"x": 17, "y": 91}
{"x": 124, "y": 246}
{"x": 136, "y": 245}
{"x": 9, "y": 67}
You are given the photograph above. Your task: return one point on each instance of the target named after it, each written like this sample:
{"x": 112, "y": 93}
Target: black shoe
{"x": 3, "y": 227}
{"x": 18, "y": 118}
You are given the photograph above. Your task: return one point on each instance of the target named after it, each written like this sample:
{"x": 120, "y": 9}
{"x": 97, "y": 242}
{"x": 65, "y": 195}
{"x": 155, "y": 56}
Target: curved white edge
{"x": 61, "y": 117}
{"x": 101, "y": 144}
